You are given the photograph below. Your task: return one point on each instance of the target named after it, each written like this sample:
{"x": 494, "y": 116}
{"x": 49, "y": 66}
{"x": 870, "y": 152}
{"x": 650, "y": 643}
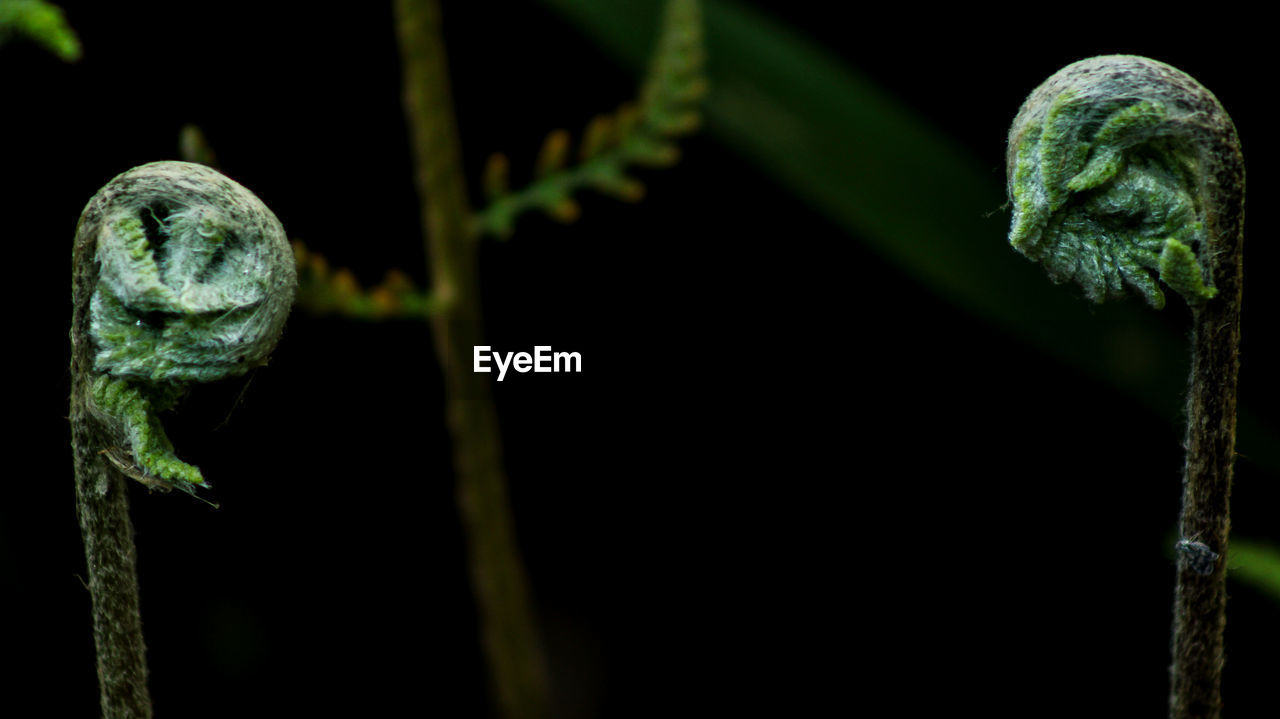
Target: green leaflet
{"x": 42, "y": 22}
{"x": 136, "y": 406}
{"x": 1255, "y": 564}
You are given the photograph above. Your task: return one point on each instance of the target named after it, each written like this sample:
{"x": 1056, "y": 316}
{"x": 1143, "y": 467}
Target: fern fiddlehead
{"x": 1124, "y": 171}
{"x": 1107, "y": 163}
{"x": 179, "y": 275}
{"x": 194, "y": 279}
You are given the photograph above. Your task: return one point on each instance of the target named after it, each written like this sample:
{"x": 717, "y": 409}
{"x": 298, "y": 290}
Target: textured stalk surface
{"x": 1200, "y": 599}
{"x": 102, "y": 504}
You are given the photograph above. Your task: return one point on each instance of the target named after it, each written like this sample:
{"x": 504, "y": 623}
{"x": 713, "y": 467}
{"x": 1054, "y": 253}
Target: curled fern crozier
{"x": 193, "y": 281}
{"x": 1109, "y": 178}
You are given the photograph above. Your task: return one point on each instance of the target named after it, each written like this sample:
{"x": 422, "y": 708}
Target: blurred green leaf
{"x": 42, "y": 22}
{"x": 1257, "y": 565}
{"x": 903, "y": 187}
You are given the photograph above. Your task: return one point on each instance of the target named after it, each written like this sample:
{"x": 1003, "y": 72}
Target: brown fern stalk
{"x": 102, "y": 505}
{"x": 508, "y": 627}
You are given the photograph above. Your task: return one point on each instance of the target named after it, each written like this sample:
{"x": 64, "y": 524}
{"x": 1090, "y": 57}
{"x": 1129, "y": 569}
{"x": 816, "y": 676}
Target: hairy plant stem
{"x": 508, "y": 628}
{"x": 102, "y": 504}
{"x": 1200, "y": 599}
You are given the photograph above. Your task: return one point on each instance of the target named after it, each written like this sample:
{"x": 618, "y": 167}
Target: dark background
{"x": 790, "y": 476}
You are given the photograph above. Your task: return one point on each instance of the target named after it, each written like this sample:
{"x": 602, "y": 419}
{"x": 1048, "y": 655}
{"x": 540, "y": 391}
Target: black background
{"x": 765, "y": 490}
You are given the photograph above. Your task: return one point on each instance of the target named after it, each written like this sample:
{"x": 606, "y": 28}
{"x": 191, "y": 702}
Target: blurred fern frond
{"x": 326, "y": 291}
{"x": 639, "y": 133}
{"x": 193, "y": 146}
{"x": 1255, "y": 564}
{"x": 41, "y": 22}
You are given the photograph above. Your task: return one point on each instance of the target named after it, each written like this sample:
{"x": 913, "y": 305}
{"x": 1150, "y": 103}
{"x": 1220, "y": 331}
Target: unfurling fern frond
{"x": 639, "y": 133}
{"x": 323, "y": 290}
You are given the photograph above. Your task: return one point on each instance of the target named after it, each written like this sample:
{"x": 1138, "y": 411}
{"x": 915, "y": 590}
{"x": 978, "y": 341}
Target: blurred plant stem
{"x": 508, "y": 628}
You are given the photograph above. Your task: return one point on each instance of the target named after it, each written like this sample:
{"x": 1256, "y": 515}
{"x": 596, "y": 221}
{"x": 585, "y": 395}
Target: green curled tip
{"x": 1105, "y": 178}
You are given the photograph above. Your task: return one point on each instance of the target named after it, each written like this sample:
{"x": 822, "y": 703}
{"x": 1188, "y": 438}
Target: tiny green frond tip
{"x": 135, "y": 405}
{"x": 1104, "y": 180}
{"x": 41, "y": 22}
{"x": 1180, "y": 270}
